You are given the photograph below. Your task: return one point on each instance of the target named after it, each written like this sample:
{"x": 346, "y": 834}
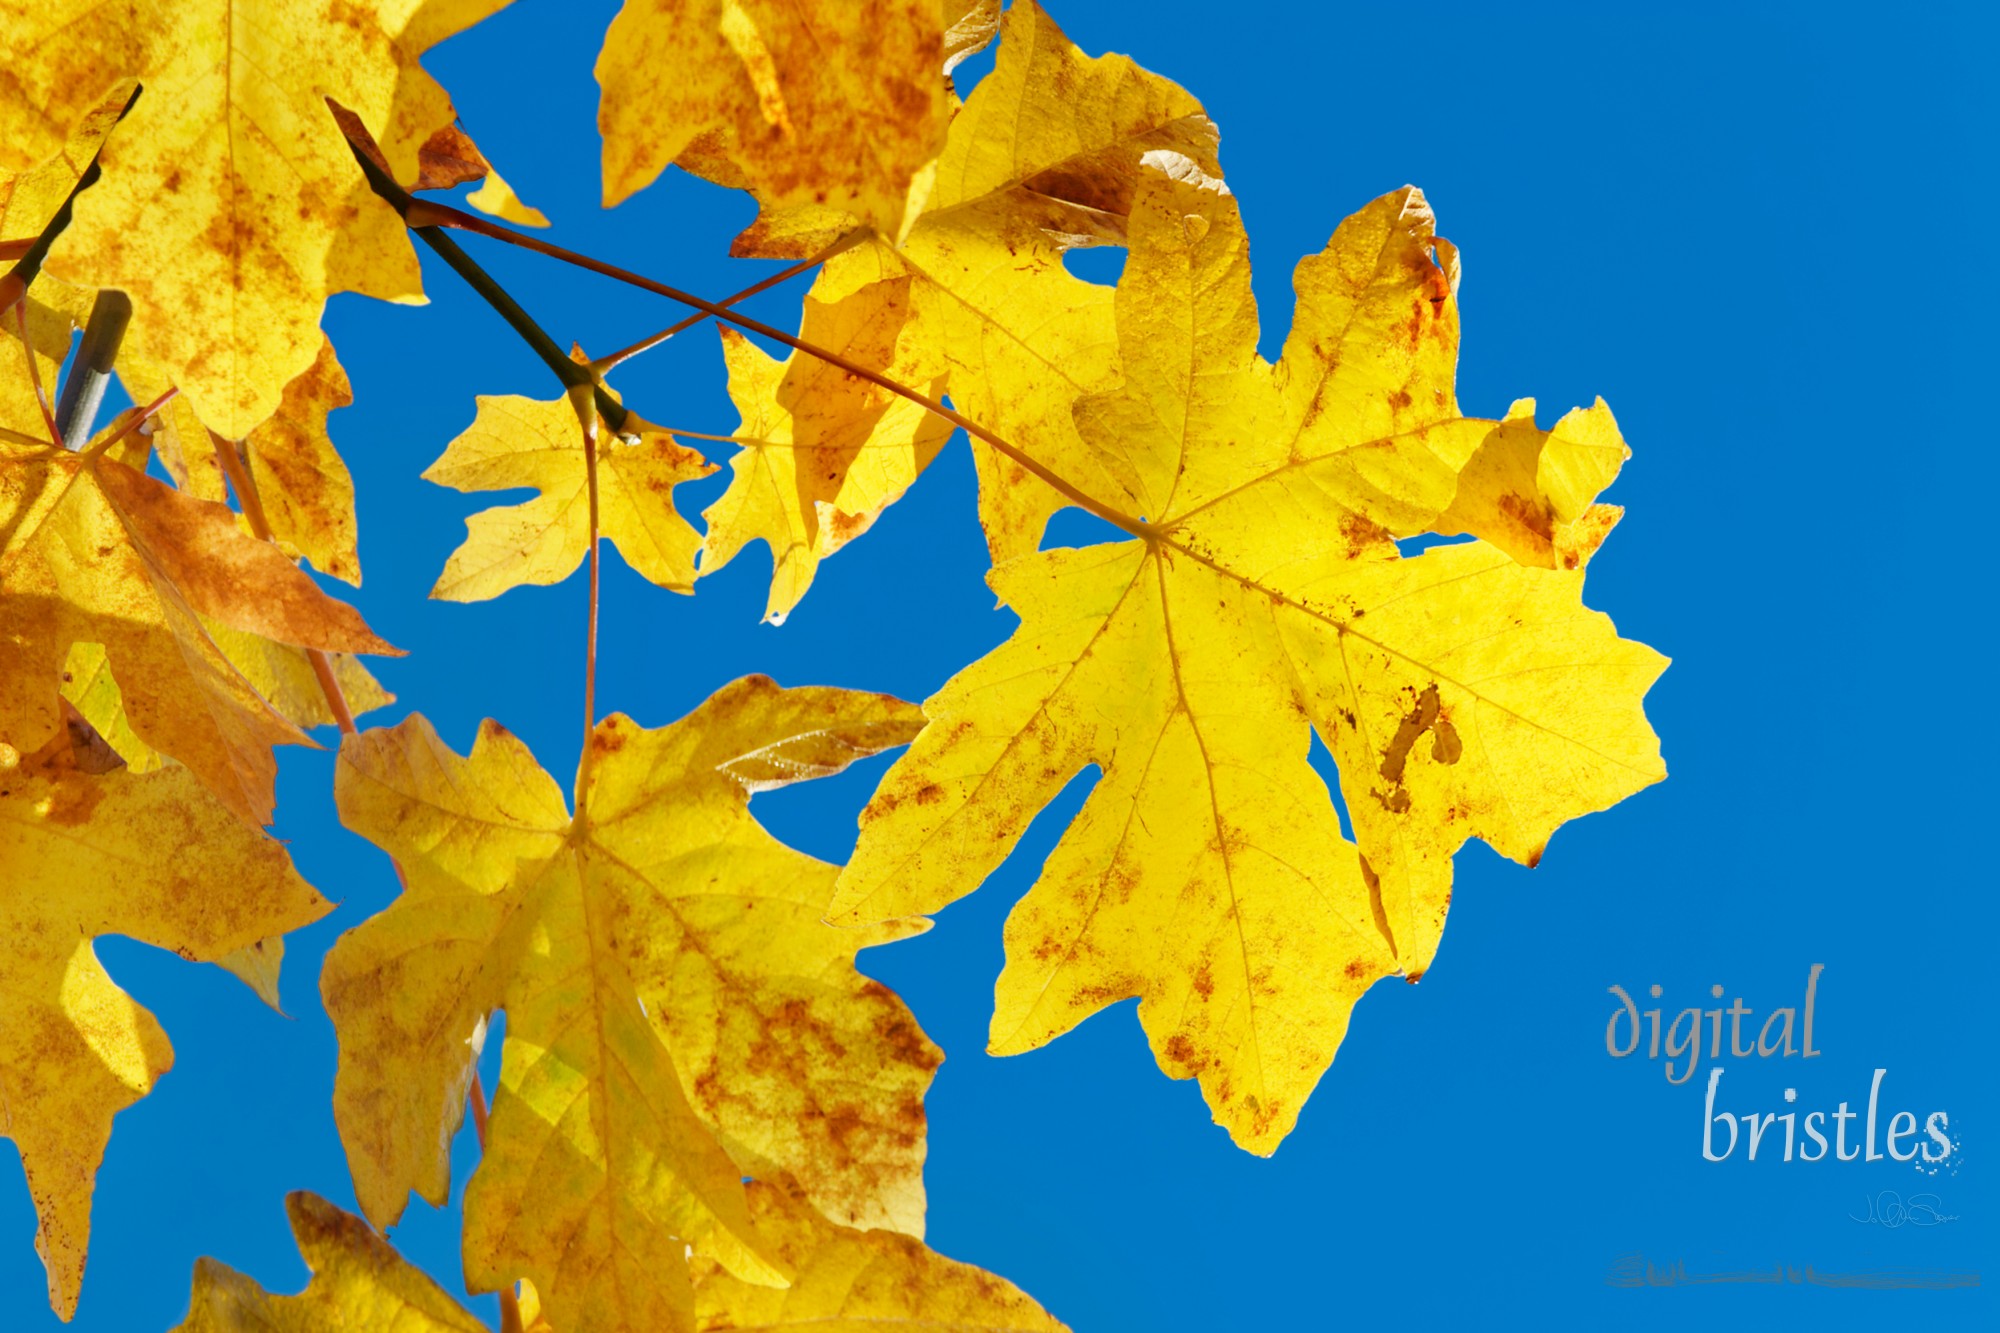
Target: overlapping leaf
{"x": 93, "y": 551}
{"x": 824, "y": 452}
{"x": 84, "y": 854}
{"x": 840, "y": 109}
{"x": 848, "y": 1281}
{"x": 300, "y": 481}
{"x": 358, "y": 1282}
{"x": 1461, "y": 693}
{"x": 678, "y": 1016}
{"x": 230, "y": 207}
{"x": 278, "y": 672}
{"x": 524, "y": 442}
{"x": 1043, "y": 157}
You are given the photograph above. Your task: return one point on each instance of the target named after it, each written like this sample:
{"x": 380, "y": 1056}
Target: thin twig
{"x": 429, "y": 219}
{"x": 678, "y": 433}
{"x": 588, "y": 418}
{"x": 132, "y": 423}
{"x": 35, "y": 376}
{"x": 336, "y": 698}
{"x": 260, "y": 525}
{"x": 604, "y": 364}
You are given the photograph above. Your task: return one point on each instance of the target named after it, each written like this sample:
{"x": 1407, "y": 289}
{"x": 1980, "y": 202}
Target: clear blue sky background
{"x": 1764, "y": 234}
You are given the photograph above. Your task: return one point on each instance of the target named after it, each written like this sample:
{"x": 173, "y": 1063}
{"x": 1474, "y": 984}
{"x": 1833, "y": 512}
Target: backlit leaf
{"x": 524, "y": 442}
{"x": 82, "y": 854}
{"x": 96, "y": 552}
{"x": 678, "y": 1016}
{"x": 358, "y": 1282}
{"x": 1461, "y": 693}
{"x": 807, "y": 483}
{"x": 841, "y": 108}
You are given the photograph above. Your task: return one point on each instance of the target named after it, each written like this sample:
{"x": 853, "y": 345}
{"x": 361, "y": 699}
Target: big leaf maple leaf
{"x": 84, "y": 854}
{"x": 94, "y": 551}
{"x": 1462, "y": 694}
{"x": 230, "y": 206}
{"x": 678, "y": 1016}
{"x": 515, "y": 442}
{"x": 1045, "y": 156}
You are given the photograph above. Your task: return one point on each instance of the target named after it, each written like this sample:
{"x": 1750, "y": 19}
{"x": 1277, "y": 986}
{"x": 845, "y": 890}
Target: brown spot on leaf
{"x": 1414, "y": 724}
{"x": 1361, "y": 532}
{"x": 1396, "y": 801}
{"x": 1445, "y": 744}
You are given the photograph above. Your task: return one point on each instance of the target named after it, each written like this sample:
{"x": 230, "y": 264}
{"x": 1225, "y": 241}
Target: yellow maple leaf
{"x": 838, "y": 107}
{"x": 849, "y": 1281}
{"x": 358, "y": 1282}
{"x": 808, "y": 482}
{"x": 230, "y": 206}
{"x": 678, "y": 1016}
{"x": 516, "y": 441}
{"x": 84, "y": 854}
{"x": 1044, "y": 157}
{"x": 96, "y": 552}
{"x": 1461, "y": 693}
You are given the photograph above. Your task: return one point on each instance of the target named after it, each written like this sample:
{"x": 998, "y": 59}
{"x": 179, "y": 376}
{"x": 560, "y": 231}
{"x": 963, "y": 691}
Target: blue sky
{"x": 1760, "y": 233}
